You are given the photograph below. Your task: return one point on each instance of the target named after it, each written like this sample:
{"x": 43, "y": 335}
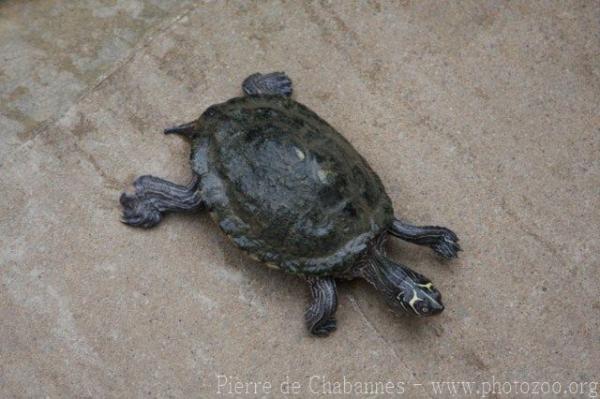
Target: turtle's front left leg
{"x": 319, "y": 317}
{"x": 442, "y": 240}
{"x": 154, "y": 196}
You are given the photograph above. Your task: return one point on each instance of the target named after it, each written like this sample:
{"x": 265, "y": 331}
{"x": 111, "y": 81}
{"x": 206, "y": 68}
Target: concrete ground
{"x": 481, "y": 116}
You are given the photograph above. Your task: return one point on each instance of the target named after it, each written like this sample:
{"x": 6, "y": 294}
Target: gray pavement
{"x": 481, "y": 116}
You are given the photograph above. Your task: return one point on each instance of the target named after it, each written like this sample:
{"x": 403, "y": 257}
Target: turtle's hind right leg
{"x": 154, "y": 196}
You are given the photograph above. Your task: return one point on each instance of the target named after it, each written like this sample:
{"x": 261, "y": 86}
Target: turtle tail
{"x": 187, "y": 129}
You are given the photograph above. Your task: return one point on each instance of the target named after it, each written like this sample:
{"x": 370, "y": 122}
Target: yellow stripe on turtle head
{"x": 429, "y": 286}
{"x": 414, "y": 300}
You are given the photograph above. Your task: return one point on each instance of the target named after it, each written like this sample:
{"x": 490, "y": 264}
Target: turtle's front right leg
{"x": 154, "y": 196}
{"x": 319, "y": 317}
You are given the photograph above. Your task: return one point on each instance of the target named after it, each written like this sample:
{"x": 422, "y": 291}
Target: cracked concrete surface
{"x": 53, "y": 51}
{"x": 482, "y": 116}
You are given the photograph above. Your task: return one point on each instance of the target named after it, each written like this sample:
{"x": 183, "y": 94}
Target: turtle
{"x": 293, "y": 193}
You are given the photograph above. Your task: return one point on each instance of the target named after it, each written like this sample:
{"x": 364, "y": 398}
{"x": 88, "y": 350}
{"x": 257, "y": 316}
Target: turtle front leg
{"x": 442, "y": 240}
{"x": 154, "y": 196}
{"x": 319, "y": 317}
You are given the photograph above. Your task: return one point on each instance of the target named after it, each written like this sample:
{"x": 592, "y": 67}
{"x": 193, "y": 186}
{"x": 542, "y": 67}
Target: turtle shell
{"x": 286, "y": 186}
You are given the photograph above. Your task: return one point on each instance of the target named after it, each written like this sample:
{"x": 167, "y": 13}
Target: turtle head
{"x": 419, "y": 296}
{"x": 404, "y": 289}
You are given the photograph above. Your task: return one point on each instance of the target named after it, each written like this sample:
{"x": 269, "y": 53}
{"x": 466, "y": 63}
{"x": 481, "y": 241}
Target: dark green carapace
{"x": 290, "y": 190}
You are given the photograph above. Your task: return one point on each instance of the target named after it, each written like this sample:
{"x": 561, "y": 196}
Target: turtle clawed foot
{"x": 138, "y": 212}
{"x": 443, "y": 241}
{"x": 446, "y": 243}
{"x": 155, "y": 196}
{"x": 320, "y": 316}
{"x": 279, "y": 82}
{"x": 270, "y": 83}
{"x": 323, "y": 329}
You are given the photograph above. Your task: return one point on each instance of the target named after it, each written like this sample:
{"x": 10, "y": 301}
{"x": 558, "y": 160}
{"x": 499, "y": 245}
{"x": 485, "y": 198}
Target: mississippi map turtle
{"x": 292, "y": 192}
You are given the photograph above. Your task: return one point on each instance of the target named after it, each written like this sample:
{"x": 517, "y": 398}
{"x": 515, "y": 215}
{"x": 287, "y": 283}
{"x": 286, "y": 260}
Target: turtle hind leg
{"x": 270, "y": 83}
{"x": 154, "y": 196}
{"x": 319, "y": 317}
{"x": 442, "y": 240}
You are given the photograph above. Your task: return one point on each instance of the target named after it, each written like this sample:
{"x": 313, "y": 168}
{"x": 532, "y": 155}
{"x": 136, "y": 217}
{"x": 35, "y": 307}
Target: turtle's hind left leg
{"x": 442, "y": 240}
{"x": 154, "y": 196}
{"x": 270, "y": 83}
{"x": 319, "y": 317}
